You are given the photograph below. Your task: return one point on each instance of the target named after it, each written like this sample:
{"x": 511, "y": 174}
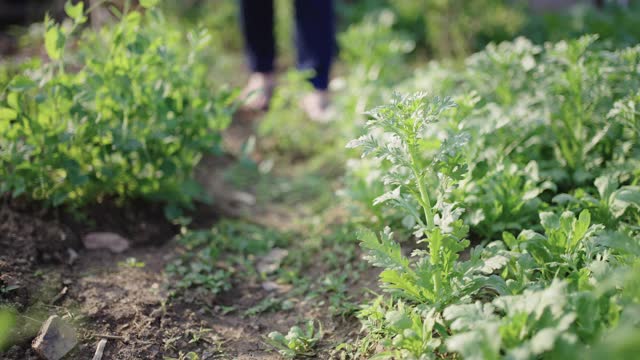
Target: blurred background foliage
{"x": 439, "y": 28}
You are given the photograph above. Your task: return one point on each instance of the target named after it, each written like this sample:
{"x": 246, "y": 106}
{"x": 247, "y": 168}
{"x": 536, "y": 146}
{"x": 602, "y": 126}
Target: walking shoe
{"x": 257, "y": 94}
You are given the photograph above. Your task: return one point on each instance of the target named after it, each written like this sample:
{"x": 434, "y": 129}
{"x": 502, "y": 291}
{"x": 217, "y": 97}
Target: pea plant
{"x": 127, "y": 114}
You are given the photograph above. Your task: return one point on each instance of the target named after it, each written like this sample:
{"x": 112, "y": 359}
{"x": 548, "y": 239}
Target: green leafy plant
{"x": 627, "y": 111}
{"x": 446, "y": 28}
{"x": 414, "y": 334}
{"x": 335, "y": 287}
{"x": 613, "y": 206}
{"x": 542, "y": 293}
{"x": 562, "y": 251}
{"x": 613, "y": 23}
{"x": 405, "y": 124}
{"x": 268, "y": 304}
{"x": 200, "y": 267}
{"x": 131, "y": 262}
{"x": 533, "y": 324}
{"x": 126, "y": 114}
{"x": 200, "y": 273}
{"x": 197, "y": 269}
{"x": 532, "y": 100}
{"x": 298, "y": 342}
{"x": 454, "y": 27}
{"x": 376, "y": 55}
{"x": 503, "y": 198}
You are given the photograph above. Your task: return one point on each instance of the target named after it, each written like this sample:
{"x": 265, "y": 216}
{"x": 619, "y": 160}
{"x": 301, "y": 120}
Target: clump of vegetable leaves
{"x": 127, "y": 114}
{"x": 533, "y": 160}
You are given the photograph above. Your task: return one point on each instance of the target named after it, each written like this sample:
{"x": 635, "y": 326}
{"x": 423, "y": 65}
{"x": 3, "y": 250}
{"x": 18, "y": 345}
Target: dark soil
{"x": 27, "y": 240}
{"x": 42, "y": 254}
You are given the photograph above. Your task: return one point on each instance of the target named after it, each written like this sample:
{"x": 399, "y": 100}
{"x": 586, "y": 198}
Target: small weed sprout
{"x": 299, "y": 342}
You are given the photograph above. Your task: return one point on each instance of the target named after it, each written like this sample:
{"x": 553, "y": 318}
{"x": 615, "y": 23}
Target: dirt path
{"x": 128, "y": 298}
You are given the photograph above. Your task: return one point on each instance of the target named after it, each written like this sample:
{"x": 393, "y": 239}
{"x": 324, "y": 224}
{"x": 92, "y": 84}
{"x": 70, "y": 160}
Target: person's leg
{"x": 257, "y": 19}
{"x": 316, "y": 45}
{"x": 315, "y": 38}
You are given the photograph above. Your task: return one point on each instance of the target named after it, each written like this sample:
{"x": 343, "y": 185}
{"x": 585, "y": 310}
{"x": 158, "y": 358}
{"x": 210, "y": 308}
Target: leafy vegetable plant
{"x": 547, "y": 293}
{"x": 404, "y": 125}
{"x": 299, "y": 342}
{"x": 126, "y": 114}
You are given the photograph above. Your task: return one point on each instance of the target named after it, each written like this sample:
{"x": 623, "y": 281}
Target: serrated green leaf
{"x": 404, "y": 284}
{"x": 383, "y": 252}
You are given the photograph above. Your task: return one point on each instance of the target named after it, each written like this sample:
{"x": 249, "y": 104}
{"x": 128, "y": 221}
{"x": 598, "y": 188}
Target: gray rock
{"x": 271, "y": 262}
{"x": 105, "y": 240}
{"x": 55, "y": 339}
{"x": 274, "y": 286}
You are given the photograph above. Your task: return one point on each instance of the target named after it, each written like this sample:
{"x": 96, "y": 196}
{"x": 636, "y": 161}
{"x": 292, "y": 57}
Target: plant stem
{"x": 428, "y": 212}
{"x": 425, "y": 202}
{"x": 424, "y": 195}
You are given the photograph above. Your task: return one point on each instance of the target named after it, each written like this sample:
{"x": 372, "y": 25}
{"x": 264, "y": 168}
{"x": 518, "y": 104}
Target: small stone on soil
{"x": 271, "y": 262}
{"x": 244, "y": 198}
{"x": 274, "y": 286}
{"x": 270, "y": 286}
{"x": 73, "y": 256}
{"x": 55, "y": 339}
{"x": 105, "y": 240}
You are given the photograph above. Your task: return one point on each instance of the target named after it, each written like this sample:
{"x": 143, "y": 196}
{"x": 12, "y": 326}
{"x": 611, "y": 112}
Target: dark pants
{"x": 314, "y": 38}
